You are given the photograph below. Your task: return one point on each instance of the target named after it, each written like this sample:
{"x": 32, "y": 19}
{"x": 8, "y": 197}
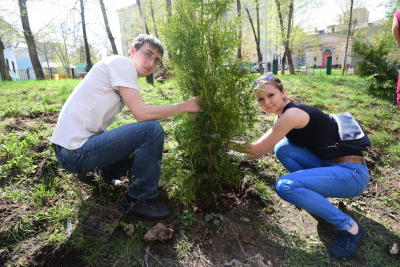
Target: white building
{"x": 18, "y": 62}
{"x": 318, "y": 49}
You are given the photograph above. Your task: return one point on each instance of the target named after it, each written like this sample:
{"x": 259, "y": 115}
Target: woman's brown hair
{"x": 268, "y": 79}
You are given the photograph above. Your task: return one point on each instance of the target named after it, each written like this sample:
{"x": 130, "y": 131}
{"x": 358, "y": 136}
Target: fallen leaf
{"x": 159, "y": 232}
{"x": 394, "y": 250}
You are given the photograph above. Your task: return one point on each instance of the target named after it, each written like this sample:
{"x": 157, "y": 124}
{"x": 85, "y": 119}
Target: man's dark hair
{"x": 141, "y": 39}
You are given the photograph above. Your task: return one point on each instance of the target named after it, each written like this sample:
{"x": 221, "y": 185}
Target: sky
{"x": 43, "y": 12}
{"x": 327, "y": 12}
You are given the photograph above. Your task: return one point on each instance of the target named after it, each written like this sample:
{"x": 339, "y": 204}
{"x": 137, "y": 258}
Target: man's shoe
{"x": 87, "y": 178}
{"x": 149, "y": 208}
{"x": 346, "y": 244}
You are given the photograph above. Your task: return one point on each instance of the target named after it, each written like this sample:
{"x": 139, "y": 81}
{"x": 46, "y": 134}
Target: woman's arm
{"x": 395, "y": 30}
{"x": 293, "y": 118}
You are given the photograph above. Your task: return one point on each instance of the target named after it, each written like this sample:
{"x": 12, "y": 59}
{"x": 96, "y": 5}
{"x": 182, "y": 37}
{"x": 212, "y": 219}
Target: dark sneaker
{"x": 149, "y": 208}
{"x": 346, "y": 244}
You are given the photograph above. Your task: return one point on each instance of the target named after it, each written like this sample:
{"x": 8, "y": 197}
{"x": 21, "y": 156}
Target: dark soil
{"x": 29, "y": 121}
{"x": 62, "y": 257}
{"x": 10, "y": 218}
{"x": 100, "y": 220}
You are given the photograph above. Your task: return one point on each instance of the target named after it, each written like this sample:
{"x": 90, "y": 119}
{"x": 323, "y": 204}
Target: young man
{"x": 83, "y": 144}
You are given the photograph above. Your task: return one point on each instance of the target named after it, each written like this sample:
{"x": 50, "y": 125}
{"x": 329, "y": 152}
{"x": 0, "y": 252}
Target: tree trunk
{"x": 46, "y": 54}
{"x": 283, "y": 63}
{"x": 169, "y": 11}
{"x": 62, "y": 50}
{"x": 287, "y": 47}
{"x": 110, "y": 36}
{"x": 259, "y": 55}
{"x": 347, "y": 38}
{"x": 30, "y": 40}
{"x": 256, "y": 38}
{"x": 87, "y": 50}
{"x": 153, "y": 18}
{"x": 239, "y": 13}
{"x": 169, "y": 14}
{"x": 280, "y": 16}
{"x": 290, "y": 61}
{"x": 5, "y": 75}
{"x": 286, "y": 39}
{"x": 142, "y": 16}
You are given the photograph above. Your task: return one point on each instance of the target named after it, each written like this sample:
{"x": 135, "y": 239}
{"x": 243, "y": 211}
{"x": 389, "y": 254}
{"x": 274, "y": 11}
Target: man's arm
{"x": 143, "y": 112}
{"x": 395, "y": 30}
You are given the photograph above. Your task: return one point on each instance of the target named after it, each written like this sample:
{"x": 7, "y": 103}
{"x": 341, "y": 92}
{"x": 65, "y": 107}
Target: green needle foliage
{"x": 202, "y": 38}
{"x": 376, "y": 63}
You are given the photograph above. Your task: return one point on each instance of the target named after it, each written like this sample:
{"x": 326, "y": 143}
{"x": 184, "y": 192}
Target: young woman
{"x": 304, "y": 139}
{"x": 396, "y": 35}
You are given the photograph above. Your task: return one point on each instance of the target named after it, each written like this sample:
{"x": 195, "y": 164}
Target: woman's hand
{"x": 243, "y": 148}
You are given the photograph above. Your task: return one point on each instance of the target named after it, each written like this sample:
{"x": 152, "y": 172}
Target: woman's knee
{"x": 285, "y": 186}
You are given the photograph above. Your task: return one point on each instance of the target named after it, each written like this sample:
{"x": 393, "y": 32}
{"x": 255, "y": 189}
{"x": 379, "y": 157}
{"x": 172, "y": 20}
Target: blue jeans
{"x": 311, "y": 180}
{"x": 137, "y": 146}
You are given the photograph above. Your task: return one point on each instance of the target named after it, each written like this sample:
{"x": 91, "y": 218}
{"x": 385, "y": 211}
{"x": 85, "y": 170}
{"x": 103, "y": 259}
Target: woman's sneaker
{"x": 346, "y": 243}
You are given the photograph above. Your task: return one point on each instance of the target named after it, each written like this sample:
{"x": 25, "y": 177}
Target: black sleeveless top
{"x": 320, "y": 135}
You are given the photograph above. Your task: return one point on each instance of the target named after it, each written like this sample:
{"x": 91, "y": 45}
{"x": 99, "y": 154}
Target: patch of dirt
{"x": 45, "y": 115}
{"x": 50, "y": 118}
{"x": 373, "y": 157}
{"x": 61, "y": 257}
{"x": 10, "y": 214}
{"x": 30, "y": 121}
{"x": 29, "y": 247}
{"x": 240, "y": 235}
{"x": 18, "y": 124}
{"x": 99, "y": 221}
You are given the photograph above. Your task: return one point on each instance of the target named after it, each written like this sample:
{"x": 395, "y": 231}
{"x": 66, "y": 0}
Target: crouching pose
{"x": 83, "y": 144}
{"x": 307, "y": 142}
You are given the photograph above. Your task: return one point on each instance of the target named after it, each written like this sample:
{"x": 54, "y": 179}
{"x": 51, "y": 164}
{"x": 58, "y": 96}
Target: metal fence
{"x": 49, "y": 73}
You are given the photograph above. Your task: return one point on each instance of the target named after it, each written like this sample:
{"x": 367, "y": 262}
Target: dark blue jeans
{"x": 137, "y": 146}
{"x": 311, "y": 180}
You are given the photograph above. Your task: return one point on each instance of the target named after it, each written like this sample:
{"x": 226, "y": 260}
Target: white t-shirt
{"x": 95, "y": 102}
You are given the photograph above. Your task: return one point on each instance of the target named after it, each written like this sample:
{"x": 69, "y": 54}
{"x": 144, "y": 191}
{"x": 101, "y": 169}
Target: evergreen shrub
{"x": 375, "y": 63}
{"x": 202, "y": 38}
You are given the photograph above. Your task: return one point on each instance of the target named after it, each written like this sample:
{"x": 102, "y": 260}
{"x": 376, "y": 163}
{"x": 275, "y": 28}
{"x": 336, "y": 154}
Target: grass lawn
{"x": 42, "y": 206}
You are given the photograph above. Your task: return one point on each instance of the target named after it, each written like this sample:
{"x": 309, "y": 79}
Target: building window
{"x": 12, "y": 62}
{"x": 315, "y": 58}
{"x": 8, "y": 64}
